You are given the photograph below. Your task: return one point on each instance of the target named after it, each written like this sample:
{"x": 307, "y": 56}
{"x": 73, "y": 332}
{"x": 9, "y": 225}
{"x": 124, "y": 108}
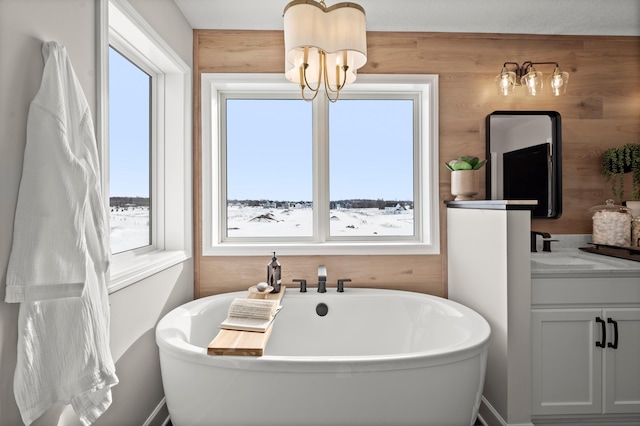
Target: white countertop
{"x": 574, "y": 262}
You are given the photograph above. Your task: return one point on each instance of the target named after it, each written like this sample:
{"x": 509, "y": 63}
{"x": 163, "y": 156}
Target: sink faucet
{"x": 322, "y": 279}
{"x": 546, "y": 241}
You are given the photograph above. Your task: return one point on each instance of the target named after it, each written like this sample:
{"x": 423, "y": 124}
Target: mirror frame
{"x": 556, "y": 159}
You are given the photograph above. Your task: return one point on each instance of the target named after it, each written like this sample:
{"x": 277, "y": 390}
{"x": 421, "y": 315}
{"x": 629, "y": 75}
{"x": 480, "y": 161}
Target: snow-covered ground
{"x": 129, "y": 228}
{"x": 262, "y": 221}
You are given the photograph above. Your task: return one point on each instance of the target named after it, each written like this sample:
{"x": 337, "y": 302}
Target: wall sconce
{"x": 527, "y": 75}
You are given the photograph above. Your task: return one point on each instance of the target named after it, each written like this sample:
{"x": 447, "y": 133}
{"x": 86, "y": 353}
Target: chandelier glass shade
{"x": 324, "y": 46}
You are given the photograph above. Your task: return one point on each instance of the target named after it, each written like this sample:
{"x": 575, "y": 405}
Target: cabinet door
{"x": 622, "y": 364}
{"x": 567, "y": 364}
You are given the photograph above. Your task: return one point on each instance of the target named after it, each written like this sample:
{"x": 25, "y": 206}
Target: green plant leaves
{"x": 616, "y": 162}
{"x": 465, "y": 163}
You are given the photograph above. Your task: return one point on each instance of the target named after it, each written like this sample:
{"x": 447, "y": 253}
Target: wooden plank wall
{"x": 601, "y": 109}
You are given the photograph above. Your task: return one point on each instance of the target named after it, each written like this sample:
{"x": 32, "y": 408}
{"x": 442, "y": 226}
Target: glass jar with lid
{"x": 635, "y": 232}
{"x": 611, "y": 225}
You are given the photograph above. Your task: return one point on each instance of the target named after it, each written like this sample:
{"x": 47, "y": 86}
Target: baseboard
{"x": 159, "y": 416}
{"x": 586, "y": 420}
{"x": 481, "y": 420}
{"x": 490, "y": 416}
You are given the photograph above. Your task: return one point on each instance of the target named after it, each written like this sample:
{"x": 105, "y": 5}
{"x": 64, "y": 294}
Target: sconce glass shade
{"x": 505, "y": 82}
{"x": 558, "y": 82}
{"x": 324, "y": 44}
{"x": 532, "y": 81}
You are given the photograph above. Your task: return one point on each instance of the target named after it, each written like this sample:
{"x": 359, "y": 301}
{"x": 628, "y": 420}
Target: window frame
{"x": 426, "y": 177}
{"x": 418, "y": 218}
{"x": 122, "y": 27}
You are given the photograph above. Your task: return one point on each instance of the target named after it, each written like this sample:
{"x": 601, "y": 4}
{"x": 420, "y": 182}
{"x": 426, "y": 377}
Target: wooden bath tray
{"x": 243, "y": 343}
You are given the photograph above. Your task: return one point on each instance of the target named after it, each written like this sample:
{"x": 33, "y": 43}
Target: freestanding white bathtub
{"x": 378, "y": 357}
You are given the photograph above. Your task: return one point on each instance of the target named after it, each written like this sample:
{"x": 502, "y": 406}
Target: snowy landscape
{"x": 130, "y": 223}
{"x": 245, "y": 221}
{"x": 129, "y": 227}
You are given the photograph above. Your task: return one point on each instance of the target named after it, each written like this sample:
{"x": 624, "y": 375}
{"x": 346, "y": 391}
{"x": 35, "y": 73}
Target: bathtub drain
{"x": 322, "y": 309}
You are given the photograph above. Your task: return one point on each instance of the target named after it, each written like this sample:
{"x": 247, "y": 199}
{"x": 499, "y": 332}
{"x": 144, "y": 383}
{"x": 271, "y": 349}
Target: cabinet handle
{"x": 602, "y": 343}
{"x": 613, "y": 345}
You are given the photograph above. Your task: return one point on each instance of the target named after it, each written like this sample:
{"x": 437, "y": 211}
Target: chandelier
{"x": 324, "y": 46}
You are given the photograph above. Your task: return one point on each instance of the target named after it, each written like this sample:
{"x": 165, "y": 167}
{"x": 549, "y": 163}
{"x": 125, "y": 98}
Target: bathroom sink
{"x": 564, "y": 261}
{"x": 571, "y": 260}
{"x": 538, "y": 265}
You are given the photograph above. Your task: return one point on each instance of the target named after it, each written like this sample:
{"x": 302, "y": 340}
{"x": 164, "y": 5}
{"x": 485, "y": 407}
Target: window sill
{"x": 129, "y": 271}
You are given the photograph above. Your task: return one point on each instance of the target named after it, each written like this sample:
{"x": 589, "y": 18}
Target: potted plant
{"x": 618, "y": 161}
{"x": 465, "y": 180}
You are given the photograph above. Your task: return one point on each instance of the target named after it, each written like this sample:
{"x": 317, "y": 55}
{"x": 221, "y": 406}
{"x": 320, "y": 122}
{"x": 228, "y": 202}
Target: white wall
{"x": 135, "y": 310}
{"x": 489, "y": 270}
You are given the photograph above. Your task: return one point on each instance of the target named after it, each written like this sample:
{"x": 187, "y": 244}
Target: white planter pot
{"x": 465, "y": 184}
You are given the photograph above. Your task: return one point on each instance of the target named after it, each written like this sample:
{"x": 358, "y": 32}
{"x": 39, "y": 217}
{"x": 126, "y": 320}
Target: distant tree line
{"x": 380, "y": 203}
{"x": 347, "y": 204}
{"x": 128, "y": 201}
{"x": 260, "y": 203}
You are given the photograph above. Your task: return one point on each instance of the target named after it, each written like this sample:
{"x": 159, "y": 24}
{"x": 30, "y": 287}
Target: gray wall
{"x": 135, "y": 310}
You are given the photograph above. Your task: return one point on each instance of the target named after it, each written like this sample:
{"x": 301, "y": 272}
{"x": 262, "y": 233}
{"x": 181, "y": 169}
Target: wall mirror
{"x": 525, "y": 161}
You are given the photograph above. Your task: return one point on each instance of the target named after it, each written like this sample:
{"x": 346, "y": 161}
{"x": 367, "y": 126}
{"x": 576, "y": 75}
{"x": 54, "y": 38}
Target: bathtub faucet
{"x": 322, "y": 279}
{"x": 341, "y": 284}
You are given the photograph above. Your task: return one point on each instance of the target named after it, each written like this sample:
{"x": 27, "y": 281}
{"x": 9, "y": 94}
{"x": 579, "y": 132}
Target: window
{"x": 144, "y": 118}
{"x": 129, "y": 154}
{"x": 358, "y": 176}
{"x": 371, "y": 145}
{"x": 268, "y": 171}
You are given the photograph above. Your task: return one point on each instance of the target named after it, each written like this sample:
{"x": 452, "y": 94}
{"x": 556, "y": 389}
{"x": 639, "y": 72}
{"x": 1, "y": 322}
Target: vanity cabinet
{"x": 586, "y": 347}
{"x": 586, "y": 361}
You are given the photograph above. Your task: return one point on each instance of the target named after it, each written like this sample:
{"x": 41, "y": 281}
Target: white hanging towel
{"x": 58, "y": 267}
